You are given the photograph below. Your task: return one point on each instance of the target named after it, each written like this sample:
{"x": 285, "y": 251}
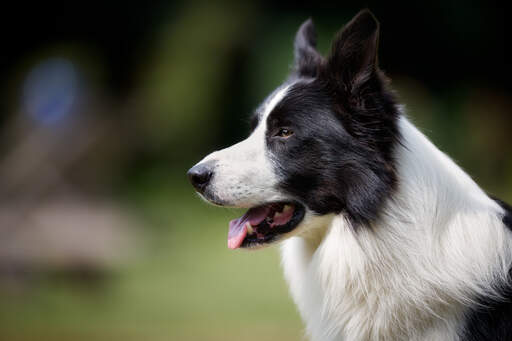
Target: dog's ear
{"x": 352, "y": 63}
{"x": 307, "y": 58}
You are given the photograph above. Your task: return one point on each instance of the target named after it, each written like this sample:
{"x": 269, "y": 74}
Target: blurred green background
{"x": 105, "y": 106}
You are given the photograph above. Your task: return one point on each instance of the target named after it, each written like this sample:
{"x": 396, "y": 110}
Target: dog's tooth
{"x": 287, "y": 208}
{"x": 277, "y": 215}
{"x": 250, "y": 230}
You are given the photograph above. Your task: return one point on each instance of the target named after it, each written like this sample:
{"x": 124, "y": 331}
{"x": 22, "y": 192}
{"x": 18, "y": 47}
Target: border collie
{"x": 383, "y": 236}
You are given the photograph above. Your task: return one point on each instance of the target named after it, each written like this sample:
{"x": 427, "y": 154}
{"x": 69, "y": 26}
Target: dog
{"x": 383, "y": 237}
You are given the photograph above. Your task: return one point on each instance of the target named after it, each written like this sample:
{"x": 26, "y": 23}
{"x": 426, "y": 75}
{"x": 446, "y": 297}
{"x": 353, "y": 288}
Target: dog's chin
{"x": 261, "y": 225}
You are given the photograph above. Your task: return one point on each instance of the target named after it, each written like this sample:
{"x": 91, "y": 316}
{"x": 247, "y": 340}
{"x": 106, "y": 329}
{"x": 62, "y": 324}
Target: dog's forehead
{"x": 271, "y": 102}
{"x": 292, "y": 97}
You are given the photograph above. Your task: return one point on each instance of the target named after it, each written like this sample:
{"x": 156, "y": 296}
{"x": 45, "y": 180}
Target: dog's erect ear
{"x": 307, "y": 58}
{"x": 353, "y": 58}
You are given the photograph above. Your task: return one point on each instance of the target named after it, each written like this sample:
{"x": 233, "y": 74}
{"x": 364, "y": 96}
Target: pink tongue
{"x": 238, "y": 228}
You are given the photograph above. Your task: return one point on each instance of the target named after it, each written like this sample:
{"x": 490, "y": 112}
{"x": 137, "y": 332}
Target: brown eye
{"x": 285, "y": 133}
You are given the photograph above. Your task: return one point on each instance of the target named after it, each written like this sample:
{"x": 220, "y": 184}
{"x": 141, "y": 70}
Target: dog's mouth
{"x": 264, "y": 224}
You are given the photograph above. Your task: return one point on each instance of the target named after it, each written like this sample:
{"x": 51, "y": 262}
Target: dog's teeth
{"x": 250, "y": 230}
{"x": 287, "y": 208}
{"x": 277, "y": 215}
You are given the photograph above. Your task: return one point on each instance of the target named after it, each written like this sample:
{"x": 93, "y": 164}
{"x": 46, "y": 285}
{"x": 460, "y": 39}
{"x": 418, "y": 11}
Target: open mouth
{"x": 264, "y": 224}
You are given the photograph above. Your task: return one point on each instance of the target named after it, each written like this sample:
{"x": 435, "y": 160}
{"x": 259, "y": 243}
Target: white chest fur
{"x": 338, "y": 302}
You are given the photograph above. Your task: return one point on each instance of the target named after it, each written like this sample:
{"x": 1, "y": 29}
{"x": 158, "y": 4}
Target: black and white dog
{"x": 383, "y": 236}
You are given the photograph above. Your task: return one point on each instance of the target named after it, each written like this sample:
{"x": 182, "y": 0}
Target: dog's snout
{"x": 200, "y": 175}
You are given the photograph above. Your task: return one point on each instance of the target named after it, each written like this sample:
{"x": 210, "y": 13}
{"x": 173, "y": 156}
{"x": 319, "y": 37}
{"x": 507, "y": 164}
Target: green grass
{"x": 186, "y": 285}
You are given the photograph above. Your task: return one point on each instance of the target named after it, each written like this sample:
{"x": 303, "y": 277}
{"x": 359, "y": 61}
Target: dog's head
{"x": 321, "y": 143}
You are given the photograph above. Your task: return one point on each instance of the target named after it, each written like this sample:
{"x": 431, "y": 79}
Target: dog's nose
{"x": 200, "y": 175}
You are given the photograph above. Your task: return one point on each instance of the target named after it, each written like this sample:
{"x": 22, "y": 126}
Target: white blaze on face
{"x": 244, "y": 175}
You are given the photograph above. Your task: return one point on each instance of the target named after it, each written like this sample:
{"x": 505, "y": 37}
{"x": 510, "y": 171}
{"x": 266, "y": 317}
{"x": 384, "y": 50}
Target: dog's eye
{"x": 285, "y": 133}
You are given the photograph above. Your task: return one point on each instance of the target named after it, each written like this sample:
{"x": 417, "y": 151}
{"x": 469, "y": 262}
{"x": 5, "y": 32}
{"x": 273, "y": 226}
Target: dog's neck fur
{"x": 438, "y": 243}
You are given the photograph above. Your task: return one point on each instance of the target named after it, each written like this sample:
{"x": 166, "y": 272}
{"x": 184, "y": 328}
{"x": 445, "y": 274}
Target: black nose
{"x": 200, "y": 175}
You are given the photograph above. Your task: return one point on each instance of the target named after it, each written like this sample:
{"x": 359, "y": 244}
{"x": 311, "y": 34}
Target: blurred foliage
{"x": 187, "y": 74}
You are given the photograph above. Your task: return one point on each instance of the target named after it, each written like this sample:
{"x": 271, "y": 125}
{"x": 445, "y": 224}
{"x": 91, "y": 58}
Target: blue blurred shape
{"x": 50, "y": 90}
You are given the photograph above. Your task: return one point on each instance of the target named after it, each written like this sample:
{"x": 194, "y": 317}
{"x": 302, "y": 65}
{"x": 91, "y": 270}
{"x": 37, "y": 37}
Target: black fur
{"x": 492, "y": 319}
{"x": 344, "y": 119}
{"x": 507, "y": 218}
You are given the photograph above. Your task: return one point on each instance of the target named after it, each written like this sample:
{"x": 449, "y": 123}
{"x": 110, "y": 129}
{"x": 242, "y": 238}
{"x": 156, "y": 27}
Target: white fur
{"x": 439, "y": 242}
{"x": 244, "y": 174}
